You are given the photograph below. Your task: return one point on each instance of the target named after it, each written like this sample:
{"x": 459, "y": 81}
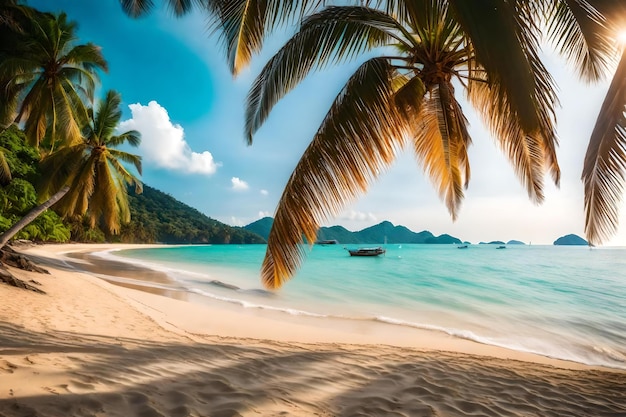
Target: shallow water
{"x": 562, "y": 302}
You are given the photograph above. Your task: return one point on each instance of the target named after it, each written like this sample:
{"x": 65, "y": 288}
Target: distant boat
{"x": 462, "y": 247}
{"x": 367, "y": 251}
{"x": 327, "y": 242}
{"x": 501, "y": 247}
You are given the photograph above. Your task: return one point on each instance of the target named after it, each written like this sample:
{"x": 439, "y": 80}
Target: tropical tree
{"x": 89, "y": 178}
{"x": 404, "y": 95}
{"x": 94, "y": 170}
{"x": 47, "y": 79}
{"x": 580, "y": 29}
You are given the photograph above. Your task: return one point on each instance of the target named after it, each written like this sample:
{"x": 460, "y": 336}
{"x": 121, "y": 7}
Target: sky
{"x": 178, "y": 92}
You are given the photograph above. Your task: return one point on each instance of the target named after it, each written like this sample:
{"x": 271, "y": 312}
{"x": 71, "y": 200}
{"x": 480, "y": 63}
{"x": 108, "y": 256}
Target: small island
{"x": 571, "y": 240}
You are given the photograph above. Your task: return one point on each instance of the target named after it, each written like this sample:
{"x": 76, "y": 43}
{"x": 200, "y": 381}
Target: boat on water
{"x": 462, "y": 247}
{"x": 501, "y": 247}
{"x": 367, "y": 251}
{"x": 327, "y": 242}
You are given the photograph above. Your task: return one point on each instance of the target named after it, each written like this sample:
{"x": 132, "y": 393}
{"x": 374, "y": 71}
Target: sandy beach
{"x": 101, "y": 343}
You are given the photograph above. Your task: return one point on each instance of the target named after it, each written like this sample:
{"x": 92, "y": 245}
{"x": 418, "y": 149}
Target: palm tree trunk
{"x": 32, "y": 215}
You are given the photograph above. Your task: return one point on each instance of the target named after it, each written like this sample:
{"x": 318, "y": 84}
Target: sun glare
{"x": 621, "y": 37}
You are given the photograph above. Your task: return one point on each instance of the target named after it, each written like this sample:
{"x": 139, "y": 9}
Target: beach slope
{"x": 91, "y": 348}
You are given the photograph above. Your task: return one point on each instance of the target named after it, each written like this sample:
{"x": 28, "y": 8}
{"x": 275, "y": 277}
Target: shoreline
{"x": 140, "y": 279}
{"x": 92, "y": 345}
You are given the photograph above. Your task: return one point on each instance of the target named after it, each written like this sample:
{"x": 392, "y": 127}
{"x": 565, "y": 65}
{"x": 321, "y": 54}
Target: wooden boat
{"x": 367, "y": 251}
{"x": 327, "y": 242}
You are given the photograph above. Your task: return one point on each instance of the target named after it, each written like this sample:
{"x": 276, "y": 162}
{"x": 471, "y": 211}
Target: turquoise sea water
{"x": 562, "y": 302}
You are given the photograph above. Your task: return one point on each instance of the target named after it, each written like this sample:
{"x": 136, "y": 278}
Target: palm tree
{"x": 404, "y": 95}
{"x": 94, "y": 170}
{"x": 89, "y": 178}
{"x": 581, "y": 30}
{"x": 46, "y": 80}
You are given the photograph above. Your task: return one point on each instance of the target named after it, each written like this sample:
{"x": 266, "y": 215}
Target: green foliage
{"x": 158, "y": 217}
{"x": 22, "y": 159}
{"x": 19, "y": 195}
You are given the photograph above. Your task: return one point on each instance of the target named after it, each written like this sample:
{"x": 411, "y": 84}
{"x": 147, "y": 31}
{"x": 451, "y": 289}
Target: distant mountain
{"x": 493, "y": 242}
{"x": 374, "y": 234}
{"x": 338, "y": 233}
{"x": 261, "y": 227}
{"x": 571, "y": 240}
{"x": 159, "y": 217}
{"x": 515, "y": 242}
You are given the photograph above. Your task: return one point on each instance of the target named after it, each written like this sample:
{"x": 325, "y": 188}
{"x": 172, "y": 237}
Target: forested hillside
{"x": 155, "y": 216}
{"x": 380, "y": 233}
{"x": 158, "y": 217}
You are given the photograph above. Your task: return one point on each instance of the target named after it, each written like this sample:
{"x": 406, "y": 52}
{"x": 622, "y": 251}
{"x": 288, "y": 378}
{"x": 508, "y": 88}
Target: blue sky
{"x": 177, "y": 91}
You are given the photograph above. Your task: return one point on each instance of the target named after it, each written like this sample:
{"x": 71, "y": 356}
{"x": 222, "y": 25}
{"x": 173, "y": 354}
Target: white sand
{"x": 90, "y": 348}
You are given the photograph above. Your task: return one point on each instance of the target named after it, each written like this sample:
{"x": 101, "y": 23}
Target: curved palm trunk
{"x": 32, "y": 215}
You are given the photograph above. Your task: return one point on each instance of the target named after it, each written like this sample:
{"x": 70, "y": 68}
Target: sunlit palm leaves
{"x": 50, "y": 79}
{"x": 95, "y": 171}
{"x": 604, "y": 172}
{"x": 517, "y": 102}
{"x": 411, "y": 96}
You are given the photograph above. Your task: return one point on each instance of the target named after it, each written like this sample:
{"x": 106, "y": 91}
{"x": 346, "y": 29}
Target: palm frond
{"x": 127, "y": 157}
{"x": 497, "y": 29}
{"x": 138, "y": 8}
{"x": 243, "y": 24}
{"x": 58, "y": 167}
{"x": 441, "y": 140}
{"x": 358, "y": 138}
{"x": 103, "y": 202}
{"x": 107, "y": 117}
{"x": 605, "y": 162}
{"x": 332, "y": 35}
{"x": 131, "y": 137}
{"x": 525, "y": 150}
{"x": 87, "y": 56}
{"x": 5, "y": 170}
{"x": 579, "y": 32}
{"x": 82, "y": 186}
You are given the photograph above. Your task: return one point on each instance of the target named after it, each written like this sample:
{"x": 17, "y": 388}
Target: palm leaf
{"x": 126, "y": 157}
{"x": 579, "y": 32}
{"x": 5, "y": 170}
{"x": 138, "y": 8}
{"x": 59, "y": 168}
{"x": 441, "y": 143}
{"x": 244, "y": 24}
{"x": 332, "y": 35}
{"x": 131, "y": 137}
{"x": 358, "y": 139}
{"x": 498, "y": 29}
{"x": 524, "y": 150}
{"x": 107, "y": 117}
{"x": 605, "y": 162}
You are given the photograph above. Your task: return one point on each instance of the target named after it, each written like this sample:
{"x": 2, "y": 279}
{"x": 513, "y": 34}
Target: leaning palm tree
{"x": 94, "y": 170}
{"x": 407, "y": 95}
{"x": 46, "y": 79}
{"x": 89, "y": 178}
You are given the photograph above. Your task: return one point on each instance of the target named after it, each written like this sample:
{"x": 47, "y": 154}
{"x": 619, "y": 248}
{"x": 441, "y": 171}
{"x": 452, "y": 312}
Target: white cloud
{"x": 163, "y": 143}
{"x": 239, "y": 185}
{"x": 358, "y": 216}
{"x": 264, "y": 192}
{"x": 236, "y": 221}
{"x": 263, "y": 214}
